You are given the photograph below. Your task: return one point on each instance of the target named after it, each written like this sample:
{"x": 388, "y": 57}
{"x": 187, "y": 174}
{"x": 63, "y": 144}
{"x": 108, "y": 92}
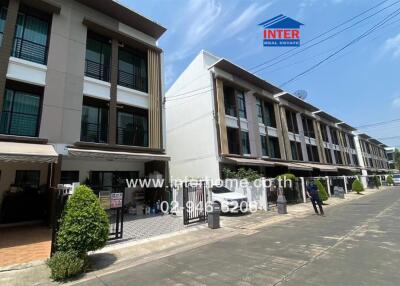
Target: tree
{"x": 323, "y": 195}
{"x": 357, "y": 186}
{"x": 377, "y": 181}
{"x": 389, "y": 180}
{"x": 84, "y": 225}
{"x": 242, "y": 174}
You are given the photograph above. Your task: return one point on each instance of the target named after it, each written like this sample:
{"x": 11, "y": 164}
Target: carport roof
{"x": 115, "y": 155}
{"x": 27, "y": 152}
{"x": 248, "y": 161}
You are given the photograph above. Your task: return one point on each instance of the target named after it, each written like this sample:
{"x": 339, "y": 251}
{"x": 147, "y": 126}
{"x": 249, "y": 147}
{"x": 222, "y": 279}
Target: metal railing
{"x": 92, "y": 132}
{"x": 132, "y": 80}
{"x": 97, "y": 70}
{"x": 30, "y": 51}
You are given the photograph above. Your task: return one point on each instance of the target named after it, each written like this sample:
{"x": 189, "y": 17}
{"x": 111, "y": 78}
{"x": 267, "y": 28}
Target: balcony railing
{"x": 132, "y": 80}
{"x": 97, "y": 70}
{"x": 30, "y": 51}
{"x": 92, "y": 132}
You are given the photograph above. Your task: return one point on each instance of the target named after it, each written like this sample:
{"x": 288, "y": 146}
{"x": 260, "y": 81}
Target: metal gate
{"x": 194, "y": 203}
{"x": 116, "y": 213}
{"x": 59, "y": 199}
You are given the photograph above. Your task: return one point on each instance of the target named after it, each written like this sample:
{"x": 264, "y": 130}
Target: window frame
{"x": 134, "y": 112}
{"x": 245, "y": 142}
{"x": 99, "y": 104}
{"x": 135, "y": 55}
{"x": 241, "y": 104}
{"x": 104, "y": 73}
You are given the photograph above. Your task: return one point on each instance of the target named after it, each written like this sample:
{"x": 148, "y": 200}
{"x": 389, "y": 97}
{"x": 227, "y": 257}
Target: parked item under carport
{"x": 396, "y": 179}
{"x": 230, "y": 202}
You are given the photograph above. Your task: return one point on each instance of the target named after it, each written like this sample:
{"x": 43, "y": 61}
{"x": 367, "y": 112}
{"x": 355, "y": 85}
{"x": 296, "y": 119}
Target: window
{"x": 230, "y": 103}
{"x": 31, "y": 36}
{"x": 338, "y": 157}
{"x": 98, "y": 57}
{"x": 264, "y": 144}
{"x": 69, "y": 177}
{"x": 345, "y": 140}
{"x": 334, "y": 136}
{"x": 3, "y": 15}
{"x": 132, "y": 69}
{"x": 348, "y": 158}
{"x": 312, "y": 152}
{"x": 21, "y": 114}
{"x": 328, "y": 156}
{"x": 233, "y": 140}
{"x": 308, "y": 127}
{"x": 351, "y": 142}
{"x": 292, "y": 122}
{"x": 269, "y": 114}
{"x": 260, "y": 111}
{"x": 245, "y": 143}
{"x": 27, "y": 179}
{"x": 111, "y": 180}
{"x": 324, "y": 133}
{"x": 273, "y": 147}
{"x": 241, "y": 105}
{"x": 296, "y": 151}
{"x": 133, "y": 128}
{"x": 94, "y": 127}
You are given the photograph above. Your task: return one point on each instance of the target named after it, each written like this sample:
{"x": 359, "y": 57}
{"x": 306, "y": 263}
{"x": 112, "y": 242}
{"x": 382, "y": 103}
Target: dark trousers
{"x": 316, "y": 201}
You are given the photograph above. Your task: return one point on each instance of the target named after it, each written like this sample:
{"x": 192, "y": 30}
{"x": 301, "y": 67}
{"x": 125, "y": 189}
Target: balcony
{"x": 97, "y": 70}
{"x": 30, "y": 51}
{"x": 132, "y": 80}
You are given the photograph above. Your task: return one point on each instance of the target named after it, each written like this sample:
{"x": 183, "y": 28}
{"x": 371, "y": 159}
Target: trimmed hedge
{"x": 357, "y": 186}
{"x": 389, "y": 180}
{"x": 323, "y": 195}
{"x": 65, "y": 264}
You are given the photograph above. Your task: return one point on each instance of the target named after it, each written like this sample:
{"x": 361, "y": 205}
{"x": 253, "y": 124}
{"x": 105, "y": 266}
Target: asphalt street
{"x": 357, "y": 243}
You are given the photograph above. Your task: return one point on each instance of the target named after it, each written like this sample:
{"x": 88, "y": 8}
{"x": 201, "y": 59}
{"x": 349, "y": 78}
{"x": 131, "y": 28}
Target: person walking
{"x": 312, "y": 192}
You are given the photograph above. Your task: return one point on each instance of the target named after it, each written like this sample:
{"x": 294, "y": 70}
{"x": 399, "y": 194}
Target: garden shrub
{"x": 65, "y": 264}
{"x": 242, "y": 174}
{"x": 377, "y": 182}
{"x": 323, "y": 195}
{"x": 389, "y": 180}
{"x": 84, "y": 225}
{"x": 357, "y": 186}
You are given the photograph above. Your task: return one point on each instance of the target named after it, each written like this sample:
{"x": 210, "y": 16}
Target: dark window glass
{"x": 21, "y": 114}
{"x": 94, "y": 124}
{"x": 229, "y": 99}
{"x": 245, "y": 143}
{"x": 292, "y": 122}
{"x": 351, "y": 142}
{"x": 260, "y": 111}
{"x": 264, "y": 144}
{"x": 345, "y": 138}
{"x": 98, "y": 57}
{"x": 132, "y": 69}
{"x": 308, "y": 127}
{"x": 328, "y": 156}
{"x": 3, "y": 15}
{"x": 27, "y": 179}
{"x": 273, "y": 147}
{"x": 338, "y": 157}
{"x": 348, "y": 158}
{"x": 69, "y": 177}
{"x": 355, "y": 160}
{"x": 133, "y": 128}
{"x": 334, "y": 136}
{"x": 31, "y": 36}
{"x": 111, "y": 180}
{"x": 233, "y": 140}
{"x": 324, "y": 133}
{"x": 269, "y": 114}
{"x": 241, "y": 105}
{"x": 312, "y": 152}
{"x": 296, "y": 151}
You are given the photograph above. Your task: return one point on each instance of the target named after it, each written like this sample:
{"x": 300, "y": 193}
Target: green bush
{"x": 357, "y": 186}
{"x": 389, "y": 180}
{"x": 377, "y": 182}
{"x": 242, "y": 174}
{"x": 85, "y": 225}
{"x": 287, "y": 176}
{"x": 323, "y": 195}
{"x": 65, "y": 264}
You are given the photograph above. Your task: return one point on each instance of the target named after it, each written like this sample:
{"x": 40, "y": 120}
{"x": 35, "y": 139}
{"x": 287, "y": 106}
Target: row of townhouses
{"x": 82, "y": 98}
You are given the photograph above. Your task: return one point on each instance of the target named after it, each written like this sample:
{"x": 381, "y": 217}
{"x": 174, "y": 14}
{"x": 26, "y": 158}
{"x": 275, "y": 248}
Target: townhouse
{"x": 81, "y": 93}
{"x": 221, "y": 116}
{"x": 390, "y": 154}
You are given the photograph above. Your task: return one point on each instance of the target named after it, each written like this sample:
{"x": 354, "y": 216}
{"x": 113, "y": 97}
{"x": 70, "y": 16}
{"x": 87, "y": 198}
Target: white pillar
{"x": 264, "y": 196}
{"x": 328, "y": 186}
{"x": 303, "y": 189}
{"x": 345, "y": 184}
{"x": 364, "y": 175}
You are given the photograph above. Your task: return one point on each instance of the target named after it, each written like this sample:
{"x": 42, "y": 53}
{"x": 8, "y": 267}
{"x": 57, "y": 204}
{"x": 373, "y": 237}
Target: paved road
{"x": 357, "y": 243}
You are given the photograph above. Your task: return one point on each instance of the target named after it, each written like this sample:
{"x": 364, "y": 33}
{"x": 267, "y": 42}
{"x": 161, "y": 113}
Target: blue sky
{"x": 360, "y": 85}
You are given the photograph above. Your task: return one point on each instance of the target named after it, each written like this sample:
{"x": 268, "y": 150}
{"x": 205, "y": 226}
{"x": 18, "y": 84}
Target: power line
{"x": 365, "y": 34}
{"x": 379, "y": 123}
{"x": 389, "y": 138}
{"x": 322, "y": 34}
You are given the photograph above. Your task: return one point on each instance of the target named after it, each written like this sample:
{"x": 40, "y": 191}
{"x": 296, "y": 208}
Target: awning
{"x": 353, "y": 169}
{"x": 115, "y": 155}
{"x": 293, "y": 166}
{"x": 27, "y": 152}
{"x": 248, "y": 161}
{"x": 324, "y": 168}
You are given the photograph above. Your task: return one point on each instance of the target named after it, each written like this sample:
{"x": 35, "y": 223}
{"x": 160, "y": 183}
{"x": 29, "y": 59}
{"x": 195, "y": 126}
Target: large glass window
{"x": 98, "y": 57}
{"x": 21, "y": 114}
{"x": 338, "y": 157}
{"x": 241, "y": 105}
{"x": 133, "y": 128}
{"x": 94, "y": 127}
{"x": 334, "y": 136}
{"x": 110, "y": 180}
{"x": 132, "y": 69}
{"x": 27, "y": 179}
{"x": 229, "y": 100}
{"x": 3, "y": 15}
{"x": 264, "y": 145}
{"x": 260, "y": 111}
{"x": 245, "y": 143}
{"x": 292, "y": 122}
{"x": 324, "y": 133}
{"x": 328, "y": 156}
{"x": 308, "y": 127}
{"x": 69, "y": 177}
{"x": 296, "y": 151}
{"x": 312, "y": 152}
{"x": 269, "y": 114}
{"x": 233, "y": 140}
{"x": 31, "y": 36}
{"x": 273, "y": 147}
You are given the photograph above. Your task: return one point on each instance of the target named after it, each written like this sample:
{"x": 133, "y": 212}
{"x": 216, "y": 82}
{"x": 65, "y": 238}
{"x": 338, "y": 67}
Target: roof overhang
{"x": 239, "y": 72}
{"x": 126, "y": 16}
{"x": 248, "y": 161}
{"x": 327, "y": 116}
{"x": 346, "y": 126}
{"x": 294, "y": 166}
{"x": 321, "y": 167}
{"x": 352, "y": 169}
{"x": 27, "y": 152}
{"x": 297, "y": 101}
{"x": 114, "y": 155}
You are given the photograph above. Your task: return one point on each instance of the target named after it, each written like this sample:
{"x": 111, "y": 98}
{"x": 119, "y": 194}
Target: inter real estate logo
{"x": 281, "y": 31}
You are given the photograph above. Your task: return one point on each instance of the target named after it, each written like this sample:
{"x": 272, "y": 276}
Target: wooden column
{"x": 221, "y": 117}
{"x": 319, "y": 141}
{"x": 154, "y": 89}
{"x": 280, "y": 131}
{"x": 112, "y": 127}
{"x": 285, "y": 132}
{"x": 7, "y": 43}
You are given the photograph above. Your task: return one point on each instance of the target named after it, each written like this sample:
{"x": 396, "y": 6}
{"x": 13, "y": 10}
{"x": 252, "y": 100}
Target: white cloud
{"x": 392, "y": 45}
{"x": 396, "y": 102}
{"x": 245, "y": 18}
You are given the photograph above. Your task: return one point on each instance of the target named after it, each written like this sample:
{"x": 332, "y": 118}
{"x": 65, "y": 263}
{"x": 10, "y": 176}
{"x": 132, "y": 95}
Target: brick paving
{"x": 24, "y": 244}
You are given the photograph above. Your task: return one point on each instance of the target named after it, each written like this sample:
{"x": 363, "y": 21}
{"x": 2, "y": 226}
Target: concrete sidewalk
{"x": 121, "y": 256}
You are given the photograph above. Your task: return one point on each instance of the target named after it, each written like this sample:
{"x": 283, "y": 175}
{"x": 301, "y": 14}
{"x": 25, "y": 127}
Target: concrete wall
{"x": 191, "y": 129}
